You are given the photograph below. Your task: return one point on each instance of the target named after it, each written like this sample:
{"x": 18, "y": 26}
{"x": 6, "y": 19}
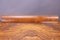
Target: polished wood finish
{"x": 29, "y": 31}
{"x": 29, "y": 19}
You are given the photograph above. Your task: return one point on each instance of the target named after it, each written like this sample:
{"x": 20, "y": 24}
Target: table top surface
{"x": 29, "y": 31}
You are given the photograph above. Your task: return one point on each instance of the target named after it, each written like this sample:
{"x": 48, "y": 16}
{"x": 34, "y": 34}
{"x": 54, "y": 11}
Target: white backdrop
{"x": 29, "y": 7}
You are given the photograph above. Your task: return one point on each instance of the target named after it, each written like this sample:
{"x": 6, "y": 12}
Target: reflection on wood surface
{"x": 28, "y": 31}
{"x": 28, "y": 28}
{"x": 29, "y": 19}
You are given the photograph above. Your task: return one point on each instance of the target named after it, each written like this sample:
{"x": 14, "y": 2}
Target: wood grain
{"x": 29, "y": 19}
{"x": 29, "y": 31}
{"x": 30, "y": 28}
